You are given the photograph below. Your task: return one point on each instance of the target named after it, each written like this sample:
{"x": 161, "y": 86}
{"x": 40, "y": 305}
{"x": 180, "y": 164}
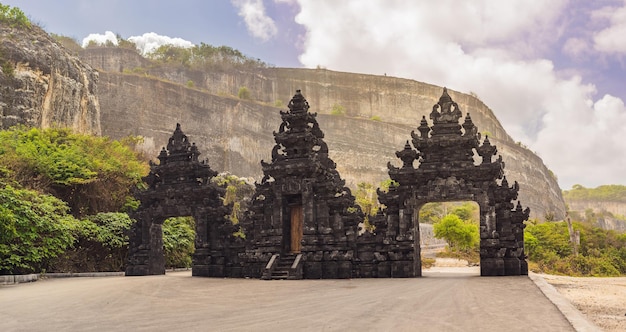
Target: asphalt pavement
{"x": 449, "y": 299}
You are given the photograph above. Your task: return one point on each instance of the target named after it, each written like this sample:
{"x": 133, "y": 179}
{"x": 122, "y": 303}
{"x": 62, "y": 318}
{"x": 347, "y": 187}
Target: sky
{"x": 553, "y": 72}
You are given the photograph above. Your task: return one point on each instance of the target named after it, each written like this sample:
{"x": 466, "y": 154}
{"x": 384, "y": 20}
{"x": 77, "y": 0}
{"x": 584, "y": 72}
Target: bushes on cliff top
{"x": 602, "y": 193}
{"x": 204, "y": 56}
{"x": 91, "y": 174}
{"x": 14, "y": 16}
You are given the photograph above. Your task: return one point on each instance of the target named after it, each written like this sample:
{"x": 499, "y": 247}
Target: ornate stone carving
{"x": 304, "y": 217}
{"x": 180, "y": 186}
{"x": 447, "y": 172}
{"x": 306, "y": 182}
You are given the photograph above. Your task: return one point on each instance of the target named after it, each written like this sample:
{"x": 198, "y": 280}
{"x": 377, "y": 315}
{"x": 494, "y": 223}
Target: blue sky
{"x": 554, "y": 72}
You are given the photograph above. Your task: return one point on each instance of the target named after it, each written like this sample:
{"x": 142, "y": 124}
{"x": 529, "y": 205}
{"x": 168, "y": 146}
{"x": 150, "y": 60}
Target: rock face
{"x": 236, "y": 134}
{"x": 616, "y": 207}
{"x": 43, "y": 85}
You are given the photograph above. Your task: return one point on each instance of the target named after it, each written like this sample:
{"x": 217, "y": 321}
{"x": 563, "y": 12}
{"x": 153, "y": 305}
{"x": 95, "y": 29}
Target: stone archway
{"x": 180, "y": 186}
{"x": 446, "y": 171}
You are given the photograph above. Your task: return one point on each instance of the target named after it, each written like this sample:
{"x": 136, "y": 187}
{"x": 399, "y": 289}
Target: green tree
{"x": 33, "y": 229}
{"x": 430, "y": 213}
{"x": 367, "y": 198}
{"x": 170, "y": 54}
{"x": 92, "y": 174}
{"x": 178, "y": 241}
{"x": 461, "y": 235}
{"x": 125, "y": 43}
{"x": 239, "y": 193}
{"x": 466, "y": 211}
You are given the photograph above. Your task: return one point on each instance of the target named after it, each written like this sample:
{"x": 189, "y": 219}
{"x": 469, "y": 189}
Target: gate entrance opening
{"x": 449, "y": 161}
{"x": 457, "y": 225}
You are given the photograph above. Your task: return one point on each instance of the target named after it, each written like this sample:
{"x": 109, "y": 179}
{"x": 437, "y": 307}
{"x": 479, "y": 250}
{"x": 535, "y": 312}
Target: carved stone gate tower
{"x": 446, "y": 171}
{"x": 180, "y": 186}
{"x": 303, "y": 221}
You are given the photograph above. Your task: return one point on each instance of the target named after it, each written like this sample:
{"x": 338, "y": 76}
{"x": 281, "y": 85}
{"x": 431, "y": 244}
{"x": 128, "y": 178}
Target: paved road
{"x": 439, "y": 301}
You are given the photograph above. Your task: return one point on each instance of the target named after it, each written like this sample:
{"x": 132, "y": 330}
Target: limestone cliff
{"x": 43, "y": 85}
{"x": 236, "y": 134}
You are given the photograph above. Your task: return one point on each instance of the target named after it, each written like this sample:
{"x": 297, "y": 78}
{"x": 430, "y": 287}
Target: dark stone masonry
{"x": 303, "y": 222}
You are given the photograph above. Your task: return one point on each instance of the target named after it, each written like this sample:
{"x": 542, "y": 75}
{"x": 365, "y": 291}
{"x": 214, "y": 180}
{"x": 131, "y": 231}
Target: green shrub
{"x": 34, "y": 228}
{"x": 238, "y": 193}
{"x": 7, "y": 69}
{"x": 338, "y": 110}
{"x": 376, "y": 118}
{"x": 243, "y": 93}
{"x": 139, "y": 70}
{"x": 91, "y": 174}
{"x": 600, "y": 253}
{"x": 602, "y": 193}
{"x": 178, "y": 241}
{"x": 461, "y": 235}
{"x": 101, "y": 245}
{"x": 14, "y": 16}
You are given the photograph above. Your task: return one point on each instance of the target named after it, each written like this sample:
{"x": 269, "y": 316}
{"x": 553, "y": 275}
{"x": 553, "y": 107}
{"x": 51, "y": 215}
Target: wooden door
{"x": 297, "y": 221}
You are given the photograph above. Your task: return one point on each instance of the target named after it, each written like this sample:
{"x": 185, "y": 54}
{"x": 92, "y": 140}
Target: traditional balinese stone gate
{"x": 446, "y": 171}
{"x": 180, "y": 186}
{"x": 303, "y": 221}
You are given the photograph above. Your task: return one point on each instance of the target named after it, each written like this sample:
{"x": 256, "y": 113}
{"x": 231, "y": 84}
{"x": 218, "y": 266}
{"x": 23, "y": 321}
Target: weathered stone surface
{"x": 303, "y": 222}
{"x": 180, "y": 185}
{"x": 45, "y": 86}
{"x": 360, "y": 146}
{"x": 438, "y": 165}
{"x": 301, "y": 215}
{"x": 50, "y": 88}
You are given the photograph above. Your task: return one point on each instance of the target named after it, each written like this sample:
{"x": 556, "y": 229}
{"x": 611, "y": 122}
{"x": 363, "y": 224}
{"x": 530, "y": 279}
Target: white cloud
{"x": 575, "y": 47}
{"x": 585, "y": 143}
{"x": 145, "y": 43}
{"x": 99, "y": 39}
{"x": 492, "y": 48}
{"x": 613, "y": 38}
{"x": 258, "y": 23}
{"x": 150, "y": 41}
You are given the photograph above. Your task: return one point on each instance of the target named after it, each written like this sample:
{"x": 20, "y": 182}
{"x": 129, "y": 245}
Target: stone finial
{"x": 298, "y": 103}
{"x": 446, "y": 110}
{"x": 407, "y": 155}
{"x": 178, "y": 142}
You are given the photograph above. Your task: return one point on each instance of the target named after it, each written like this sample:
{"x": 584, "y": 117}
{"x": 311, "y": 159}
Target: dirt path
{"x": 602, "y": 300}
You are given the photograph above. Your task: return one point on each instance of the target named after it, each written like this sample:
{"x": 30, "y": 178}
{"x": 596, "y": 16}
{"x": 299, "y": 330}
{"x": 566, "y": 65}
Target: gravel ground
{"x": 602, "y": 300}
